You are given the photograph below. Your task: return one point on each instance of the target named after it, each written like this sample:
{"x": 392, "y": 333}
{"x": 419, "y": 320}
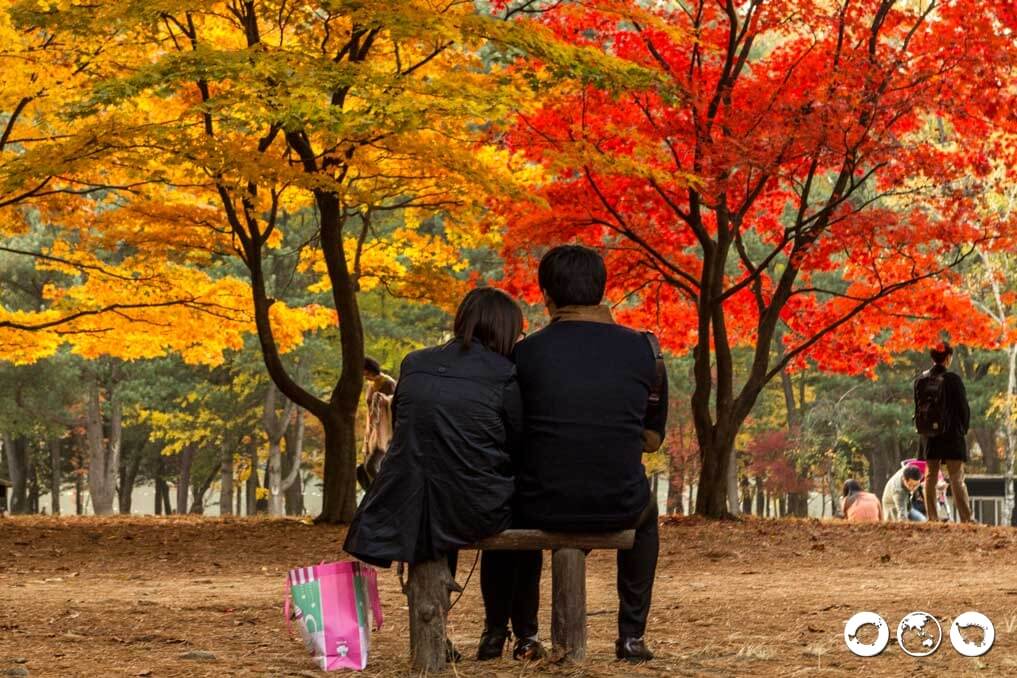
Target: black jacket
{"x": 447, "y": 479}
{"x": 585, "y": 387}
{"x": 952, "y": 444}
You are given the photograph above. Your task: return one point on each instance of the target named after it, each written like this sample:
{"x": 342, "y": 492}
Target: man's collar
{"x": 594, "y": 314}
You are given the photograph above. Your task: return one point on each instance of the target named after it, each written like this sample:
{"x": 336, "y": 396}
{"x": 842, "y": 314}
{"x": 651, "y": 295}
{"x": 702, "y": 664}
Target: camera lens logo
{"x": 856, "y": 624}
{"x": 919, "y": 634}
{"x": 972, "y": 620}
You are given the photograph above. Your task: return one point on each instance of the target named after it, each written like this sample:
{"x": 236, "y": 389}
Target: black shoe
{"x": 632, "y": 650}
{"x": 492, "y": 644}
{"x": 528, "y": 649}
{"x": 452, "y": 655}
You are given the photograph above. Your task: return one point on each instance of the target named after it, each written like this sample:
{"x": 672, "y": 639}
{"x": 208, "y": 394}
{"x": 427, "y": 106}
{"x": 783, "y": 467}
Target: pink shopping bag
{"x": 335, "y": 606}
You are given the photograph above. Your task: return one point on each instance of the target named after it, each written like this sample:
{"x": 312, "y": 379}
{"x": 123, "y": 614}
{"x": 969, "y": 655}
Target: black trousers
{"x": 510, "y": 583}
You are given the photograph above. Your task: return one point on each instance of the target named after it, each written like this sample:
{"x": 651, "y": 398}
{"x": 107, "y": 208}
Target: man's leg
{"x": 931, "y": 477}
{"x": 916, "y": 516}
{"x": 955, "y": 467}
{"x": 526, "y": 593}
{"x": 636, "y": 570}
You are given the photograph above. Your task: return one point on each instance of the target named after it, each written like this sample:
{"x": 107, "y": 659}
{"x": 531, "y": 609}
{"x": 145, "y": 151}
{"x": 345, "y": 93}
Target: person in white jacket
{"x": 897, "y": 495}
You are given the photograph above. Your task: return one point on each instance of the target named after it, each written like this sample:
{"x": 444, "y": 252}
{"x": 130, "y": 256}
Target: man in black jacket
{"x": 594, "y": 400}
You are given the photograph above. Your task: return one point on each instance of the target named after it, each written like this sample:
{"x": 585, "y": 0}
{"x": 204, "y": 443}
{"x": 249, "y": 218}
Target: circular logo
{"x": 919, "y": 634}
{"x": 859, "y": 621}
{"x": 972, "y": 620}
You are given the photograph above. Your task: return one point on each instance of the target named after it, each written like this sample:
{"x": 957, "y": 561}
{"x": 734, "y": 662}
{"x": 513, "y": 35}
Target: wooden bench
{"x": 430, "y": 584}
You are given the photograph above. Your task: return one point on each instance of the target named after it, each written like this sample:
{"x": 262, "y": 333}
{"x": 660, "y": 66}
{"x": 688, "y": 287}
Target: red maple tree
{"x": 796, "y": 187}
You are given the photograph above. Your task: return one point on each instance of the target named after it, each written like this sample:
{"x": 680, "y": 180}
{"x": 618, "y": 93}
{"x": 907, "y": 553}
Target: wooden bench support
{"x": 430, "y": 583}
{"x": 568, "y": 604}
{"x": 427, "y": 590}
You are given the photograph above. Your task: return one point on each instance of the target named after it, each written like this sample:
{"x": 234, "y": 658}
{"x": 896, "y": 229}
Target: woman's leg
{"x": 955, "y": 467}
{"x": 497, "y": 581}
{"x": 931, "y": 476}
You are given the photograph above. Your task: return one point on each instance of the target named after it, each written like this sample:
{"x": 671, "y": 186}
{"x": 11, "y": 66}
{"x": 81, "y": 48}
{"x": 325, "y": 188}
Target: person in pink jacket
{"x": 861, "y": 506}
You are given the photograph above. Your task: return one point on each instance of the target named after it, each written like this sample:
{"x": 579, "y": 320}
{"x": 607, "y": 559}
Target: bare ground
{"x": 133, "y": 596}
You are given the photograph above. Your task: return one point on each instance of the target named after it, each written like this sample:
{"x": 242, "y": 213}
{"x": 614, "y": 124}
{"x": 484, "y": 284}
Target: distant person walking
{"x": 942, "y": 417}
{"x": 378, "y": 431}
{"x": 897, "y": 495}
{"x": 861, "y": 506}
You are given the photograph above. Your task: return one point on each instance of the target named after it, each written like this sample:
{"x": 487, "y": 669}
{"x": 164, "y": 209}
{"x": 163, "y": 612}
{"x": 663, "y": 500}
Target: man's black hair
{"x": 573, "y": 275}
{"x": 941, "y": 352}
{"x": 372, "y": 366}
{"x": 912, "y": 472}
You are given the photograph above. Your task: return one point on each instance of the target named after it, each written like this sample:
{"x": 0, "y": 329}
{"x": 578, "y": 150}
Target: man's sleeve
{"x": 655, "y": 422}
{"x": 512, "y": 411}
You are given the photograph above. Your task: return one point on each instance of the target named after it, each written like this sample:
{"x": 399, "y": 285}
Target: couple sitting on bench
{"x": 494, "y": 430}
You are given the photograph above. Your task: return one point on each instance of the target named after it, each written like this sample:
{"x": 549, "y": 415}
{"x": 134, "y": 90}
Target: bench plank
{"x": 526, "y": 540}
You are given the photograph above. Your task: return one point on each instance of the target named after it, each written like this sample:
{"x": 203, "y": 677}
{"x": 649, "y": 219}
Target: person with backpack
{"x": 942, "y": 417}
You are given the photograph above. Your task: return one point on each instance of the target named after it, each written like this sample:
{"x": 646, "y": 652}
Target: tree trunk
{"x": 198, "y": 502}
{"x": 986, "y": 439}
{"x": 184, "y": 480}
{"x": 104, "y": 453}
{"x": 33, "y": 487}
{"x": 1011, "y": 435}
{"x": 226, "y": 485}
{"x": 734, "y": 504}
{"x": 128, "y": 476}
{"x": 252, "y": 483}
{"x": 427, "y": 591}
{"x": 56, "y": 468}
{"x": 276, "y": 428}
{"x": 292, "y": 484}
{"x": 162, "y": 501}
{"x": 16, "y": 452}
{"x": 881, "y": 467}
{"x": 675, "y": 488}
{"x": 340, "y": 460}
{"x": 240, "y": 497}
{"x": 716, "y": 450}
{"x": 79, "y": 494}
{"x": 760, "y": 497}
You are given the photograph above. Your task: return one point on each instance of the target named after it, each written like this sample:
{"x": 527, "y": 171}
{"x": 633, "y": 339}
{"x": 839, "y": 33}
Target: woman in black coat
{"x": 447, "y": 479}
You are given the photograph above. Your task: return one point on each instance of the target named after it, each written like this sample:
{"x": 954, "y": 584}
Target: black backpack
{"x": 930, "y": 404}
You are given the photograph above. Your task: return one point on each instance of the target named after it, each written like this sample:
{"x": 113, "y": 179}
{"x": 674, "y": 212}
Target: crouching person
{"x": 897, "y": 495}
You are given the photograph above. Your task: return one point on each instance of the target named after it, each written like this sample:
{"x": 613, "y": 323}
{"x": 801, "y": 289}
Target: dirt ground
{"x": 134, "y": 596}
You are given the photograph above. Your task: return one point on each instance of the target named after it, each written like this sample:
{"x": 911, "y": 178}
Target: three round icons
{"x": 920, "y": 635}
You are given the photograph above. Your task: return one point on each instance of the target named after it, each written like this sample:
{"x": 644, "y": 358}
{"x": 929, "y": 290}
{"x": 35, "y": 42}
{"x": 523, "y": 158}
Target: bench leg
{"x": 427, "y": 589}
{"x": 568, "y": 604}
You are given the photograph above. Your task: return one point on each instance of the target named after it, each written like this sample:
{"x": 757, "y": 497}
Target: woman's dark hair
{"x": 940, "y": 352}
{"x": 372, "y": 366}
{"x": 912, "y": 472}
{"x": 573, "y": 275}
{"x": 491, "y": 317}
{"x": 851, "y": 486}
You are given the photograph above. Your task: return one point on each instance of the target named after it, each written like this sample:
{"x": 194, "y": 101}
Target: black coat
{"x": 447, "y": 479}
{"x": 952, "y": 444}
{"x": 586, "y": 387}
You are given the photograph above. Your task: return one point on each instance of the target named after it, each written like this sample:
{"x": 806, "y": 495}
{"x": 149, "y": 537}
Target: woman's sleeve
{"x": 512, "y": 413}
